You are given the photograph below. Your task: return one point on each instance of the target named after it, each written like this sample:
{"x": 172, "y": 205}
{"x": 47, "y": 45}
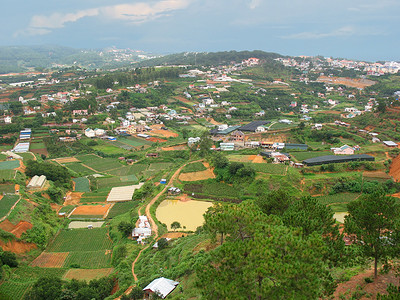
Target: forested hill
{"x": 207, "y": 58}
{"x": 23, "y": 58}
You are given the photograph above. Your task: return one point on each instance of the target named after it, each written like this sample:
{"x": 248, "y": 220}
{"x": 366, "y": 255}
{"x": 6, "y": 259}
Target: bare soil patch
{"x": 17, "y": 247}
{"x": 395, "y": 169}
{"x": 18, "y": 229}
{"x": 183, "y": 99}
{"x": 64, "y": 160}
{"x": 350, "y": 82}
{"x": 174, "y": 235}
{"x": 195, "y": 176}
{"x": 6, "y": 225}
{"x": 92, "y": 209}
{"x": 156, "y": 140}
{"x": 333, "y": 112}
{"x": 72, "y": 198}
{"x": 40, "y": 151}
{"x": 87, "y": 274}
{"x": 174, "y": 148}
{"x": 371, "y": 289}
{"x": 164, "y": 133}
{"x": 50, "y": 260}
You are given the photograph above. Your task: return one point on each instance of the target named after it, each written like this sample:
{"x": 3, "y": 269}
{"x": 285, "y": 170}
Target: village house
{"x": 160, "y": 286}
{"x": 80, "y": 112}
{"x": 344, "y": 150}
{"x": 7, "y": 119}
{"x": 89, "y": 133}
{"x": 238, "y": 136}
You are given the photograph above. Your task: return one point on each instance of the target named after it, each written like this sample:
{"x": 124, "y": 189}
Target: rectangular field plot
{"x": 121, "y": 208}
{"x": 6, "y": 203}
{"x": 14, "y": 290}
{"x": 7, "y": 188}
{"x": 275, "y": 169}
{"x": 89, "y": 259}
{"x": 7, "y": 174}
{"x": 9, "y": 165}
{"x": 87, "y": 274}
{"x": 50, "y": 260}
{"x": 103, "y": 164}
{"x": 95, "y": 196}
{"x": 80, "y": 224}
{"x": 35, "y": 146}
{"x": 81, "y": 240}
{"x": 135, "y": 142}
{"x": 110, "y": 182}
{"x": 79, "y": 168}
{"x": 81, "y": 184}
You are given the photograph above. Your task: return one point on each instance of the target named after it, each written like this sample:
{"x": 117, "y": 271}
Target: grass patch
{"x": 337, "y": 198}
{"x": 66, "y": 209}
{"x": 194, "y": 167}
{"x": 79, "y": 168}
{"x": 35, "y": 146}
{"x": 7, "y": 188}
{"x": 135, "y": 142}
{"x": 110, "y": 182}
{"x": 274, "y": 169}
{"x": 6, "y": 203}
{"x": 7, "y": 174}
{"x": 27, "y": 156}
{"x": 217, "y": 189}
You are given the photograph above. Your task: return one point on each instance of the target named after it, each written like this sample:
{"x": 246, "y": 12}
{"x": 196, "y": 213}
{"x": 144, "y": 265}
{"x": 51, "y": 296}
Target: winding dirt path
{"x": 147, "y": 210}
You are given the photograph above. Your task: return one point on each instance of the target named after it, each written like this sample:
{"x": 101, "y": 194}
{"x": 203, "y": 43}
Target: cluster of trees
{"x": 56, "y": 173}
{"x": 57, "y": 148}
{"x": 359, "y": 185}
{"x": 53, "y": 288}
{"x": 284, "y": 248}
{"x": 231, "y": 171}
{"x": 7, "y": 260}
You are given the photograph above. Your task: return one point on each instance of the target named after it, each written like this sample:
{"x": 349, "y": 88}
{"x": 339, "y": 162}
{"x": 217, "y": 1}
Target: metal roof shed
{"x": 333, "y": 159}
{"x": 162, "y": 286}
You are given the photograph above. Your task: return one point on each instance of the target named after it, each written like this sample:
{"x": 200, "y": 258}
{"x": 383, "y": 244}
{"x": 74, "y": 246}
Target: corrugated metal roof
{"x": 328, "y": 159}
{"x": 253, "y": 125}
{"x": 162, "y": 285}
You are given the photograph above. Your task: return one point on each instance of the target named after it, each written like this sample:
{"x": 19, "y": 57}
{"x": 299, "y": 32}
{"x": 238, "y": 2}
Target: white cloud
{"x": 134, "y": 13}
{"x": 343, "y": 31}
{"x": 254, "y": 3}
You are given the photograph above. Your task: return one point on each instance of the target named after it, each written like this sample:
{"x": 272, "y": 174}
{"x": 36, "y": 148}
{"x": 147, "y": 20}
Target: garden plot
{"x": 7, "y": 174}
{"x": 81, "y": 184}
{"x": 110, "y": 182}
{"x": 196, "y": 176}
{"x": 64, "y": 160}
{"x": 79, "y": 168}
{"x": 81, "y": 224}
{"x": 6, "y": 203}
{"x": 87, "y": 274}
{"x": 9, "y": 165}
{"x": 123, "y": 193}
{"x": 50, "y": 260}
{"x": 90, "y": 211}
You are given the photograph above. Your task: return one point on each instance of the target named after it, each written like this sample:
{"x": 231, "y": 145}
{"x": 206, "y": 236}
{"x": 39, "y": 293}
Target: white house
{"x": 192, "y": 141}
{"x": 99, "y": 132}
{"x": 161, "y": 286}
{"x": 7, "y": 119}
{"x": 260, "y": 129}
{"x": 125, "y": 123}
{"x": 90, "y": 132}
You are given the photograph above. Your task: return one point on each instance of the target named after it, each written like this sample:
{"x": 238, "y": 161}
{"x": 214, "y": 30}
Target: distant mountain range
{"x": 25, "y": 58}
{"x": 28, "y": 58}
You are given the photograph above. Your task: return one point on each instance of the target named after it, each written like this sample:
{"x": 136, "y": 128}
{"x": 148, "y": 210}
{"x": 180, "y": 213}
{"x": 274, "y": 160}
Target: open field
{"x": 50, "y": 260}
{"x": 9, "y": 165}
{"x": 7, "y": 174}
{"x": 350, "y": 82}
{"x": 36, "y": 146}
{"x": 103, "y": 164}
{"x": 195, "y": 176}
{"x": 110, "y": 182}
{"x": 338, "y": 198}
{"x": 274, "y": 169}
{"x": 81, "y": 240}
{"x": 91, "y": 210}
{"x": 135, "y": 142}
{"x": 194, "y": 167}
{"x": 108, "y": 148}
{"x": 87, "y": 274}
{"x": 300, "y": 156}
{"x": 89, "y": 259}
{"x": 121, "y": 208}
{"x": 98, "y": 196}
{"x": 79, "y": 168}
{"x": 81, "y": 184}
{"x": 134, "y": 169}
{"x": 81, "y": 224}
{"x": 246, "y": 158}
{"x": 27, "y": 156}
{"x": 64, "y": 160}
{"x": 176, "y": 147}
{"x": 7, "y": 188}
{"x": 6, "y": 203}
{"x": 217, "y": 189}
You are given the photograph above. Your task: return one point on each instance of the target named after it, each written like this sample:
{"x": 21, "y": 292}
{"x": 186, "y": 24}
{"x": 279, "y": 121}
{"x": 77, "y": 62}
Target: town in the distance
{"x": 225, "y": 175}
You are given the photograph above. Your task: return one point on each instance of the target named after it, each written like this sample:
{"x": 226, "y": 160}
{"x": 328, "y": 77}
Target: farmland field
{"x": 7, "y": 174}
{"x": 87, "y": 274}
{"x": 81, "y": 184}
{"x": 109, "y": 182}
{"x": 9, "y": 165}
{"x": 6, "y": 203}
{"x": 27, "y": 156}
{"x": 108, "y": 148}
{"x": 217, "y": 189}
{"x": 300, "y": 156}
{"x": 79, "y": 168}
{"x": 134, "y": 169}
{"x": 81, "y": 240}
{"x": 135, "y": 142}
{"x": 66, "y": 209}
{"x": 23, "y": 278}
{"x": 194, "y": 167}
{"x": 35, "y": 146}
{"x": 103, "y": 164}
{"x": 50, "y": 260}
{"x": 275, "y": 169}
{"x": 95, "y": 196}
{"x": 338, "y": 198}
{"x": 7, "y": 188}
{"x": 89, "y": 259}
{"x": 121, "y": 208}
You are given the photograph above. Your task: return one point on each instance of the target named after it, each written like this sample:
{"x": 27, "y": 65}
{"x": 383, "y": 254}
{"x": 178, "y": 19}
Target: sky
{"x": 355, "y": 29}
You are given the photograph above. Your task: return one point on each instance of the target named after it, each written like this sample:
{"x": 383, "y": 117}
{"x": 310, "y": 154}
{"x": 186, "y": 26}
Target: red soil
{"x": 395, "y": 169}
{"x": 17, "y": 247}
{"x": 18, "y": 229}
{"x": 91, "y": 209}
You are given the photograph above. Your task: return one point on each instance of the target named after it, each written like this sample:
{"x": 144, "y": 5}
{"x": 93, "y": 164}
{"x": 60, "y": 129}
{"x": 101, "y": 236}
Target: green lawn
{"x": 108, "y": 148}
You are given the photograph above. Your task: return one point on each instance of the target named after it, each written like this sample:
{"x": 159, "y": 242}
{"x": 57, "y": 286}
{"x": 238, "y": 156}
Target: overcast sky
{"x": 357, "y": 29}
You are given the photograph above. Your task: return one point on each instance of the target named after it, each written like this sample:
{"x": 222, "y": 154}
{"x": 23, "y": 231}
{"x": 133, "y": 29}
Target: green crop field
{"x": 194, "y": 167}
{"x": 109, "y": 182}
{"x": 6, "y": 203}
{"x": 81, "y": 240}
{"x": 121, "y": 208}
{"x": 134, "y": 169}
{"x": 135, "y": 142}
{"x": 7, "y": 188}
{"x": 82, "y": 184}
{"x": 103, "y": 164}
{"x": 89, "y": 259}
{"x": 275, "y": 169}
{"x": 7, "y": 174}
{"x": 79, "y": 168}
{"x": 108, "y": 148}
{"x": 27, "y": 156}
{"x": 34, "y": 146}
{"x": 300, "y": 156}
{"x": 217, "y": 189}
{"x": 9, "y": 165}
{"x": 3, "y": 156}
{"x": 84, "y": 158}
{"x": 338, "y": 198}
{"x": 22, "y": 279}
{"x": 66, "y": 209}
